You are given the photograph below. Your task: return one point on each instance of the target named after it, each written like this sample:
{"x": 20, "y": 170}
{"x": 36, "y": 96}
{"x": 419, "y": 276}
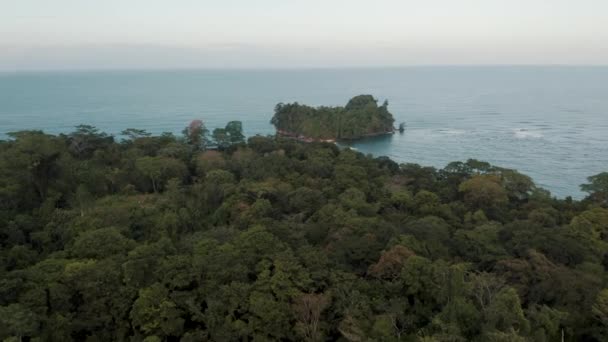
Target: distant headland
{"x": 361, "y": 117}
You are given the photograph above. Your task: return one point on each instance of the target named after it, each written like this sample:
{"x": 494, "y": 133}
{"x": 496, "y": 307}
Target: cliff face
{"x": 361, "y": 117}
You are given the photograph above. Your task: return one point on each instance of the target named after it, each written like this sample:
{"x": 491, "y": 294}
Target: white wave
{"x": 452, "y": 131}
{"x": 522, "y": 133}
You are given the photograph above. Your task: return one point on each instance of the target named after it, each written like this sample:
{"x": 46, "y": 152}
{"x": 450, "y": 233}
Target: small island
{"x": 360, "y": 118}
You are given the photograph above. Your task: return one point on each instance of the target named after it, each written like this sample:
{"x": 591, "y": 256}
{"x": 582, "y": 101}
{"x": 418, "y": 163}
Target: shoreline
{"x": 306, "y": 139}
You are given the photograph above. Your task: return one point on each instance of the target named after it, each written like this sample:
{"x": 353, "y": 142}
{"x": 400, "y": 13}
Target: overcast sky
{"x": 99, "y": 34}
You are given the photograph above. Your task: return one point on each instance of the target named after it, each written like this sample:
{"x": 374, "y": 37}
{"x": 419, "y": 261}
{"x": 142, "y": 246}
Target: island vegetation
{"x": 214, "y": 238}
{"x": 361, "y": 117}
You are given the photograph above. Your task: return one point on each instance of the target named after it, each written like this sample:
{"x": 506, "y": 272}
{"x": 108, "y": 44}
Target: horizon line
{"x": 299, "y": 68}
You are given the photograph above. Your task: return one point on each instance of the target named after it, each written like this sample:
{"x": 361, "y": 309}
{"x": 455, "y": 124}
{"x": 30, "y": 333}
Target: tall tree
{"x": 597, "y": 188}
{"x": 196, "y": 135}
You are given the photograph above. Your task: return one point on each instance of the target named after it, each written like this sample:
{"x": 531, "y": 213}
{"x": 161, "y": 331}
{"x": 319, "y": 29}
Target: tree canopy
{"x": 360, "y": 117}
{"x": 171, "y": 238}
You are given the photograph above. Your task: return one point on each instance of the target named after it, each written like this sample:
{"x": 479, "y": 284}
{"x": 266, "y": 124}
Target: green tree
{"x": 208, "y": 161}
{"x": 504, "y": 314}
{"x": 31, "y": 163}
{"x": 600, "y": 308}
{"x": 17, "y": 321}
{"x": 134, "y": 134}
{"x": 154, "y": 313}
{"x": 546, "y": 323}
{"x": 484, "y": 192}
{"x": 597, "y": 188}
{"x": 234, "y": 130}
{"x": 221, "y": 138}
{"x": 101, "y": 243}
{"x": 86, "y": 139}
{"x": 82, "y": 199}
{"x": 160, "y": 169}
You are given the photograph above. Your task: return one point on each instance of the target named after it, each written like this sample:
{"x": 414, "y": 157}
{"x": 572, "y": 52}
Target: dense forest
{"x": 360, "y": 117}
{"x": 208, "y": 237}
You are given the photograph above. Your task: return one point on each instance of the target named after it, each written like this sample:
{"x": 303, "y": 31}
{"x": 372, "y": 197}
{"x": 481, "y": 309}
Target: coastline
{"x": 303, "y": 138}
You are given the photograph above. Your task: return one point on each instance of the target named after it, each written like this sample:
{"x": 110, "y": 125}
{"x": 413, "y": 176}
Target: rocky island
{"x": 361, "y": 117}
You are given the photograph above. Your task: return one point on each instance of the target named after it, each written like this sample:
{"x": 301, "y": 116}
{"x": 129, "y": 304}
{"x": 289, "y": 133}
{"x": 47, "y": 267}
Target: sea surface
{"x": 548, "y": 122}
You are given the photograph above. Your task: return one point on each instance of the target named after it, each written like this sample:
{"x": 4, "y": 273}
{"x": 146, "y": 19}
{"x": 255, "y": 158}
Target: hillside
{"x": 157, "y": 238}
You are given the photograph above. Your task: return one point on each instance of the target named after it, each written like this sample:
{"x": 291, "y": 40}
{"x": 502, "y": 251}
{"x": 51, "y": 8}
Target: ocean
{"x": 550, "y": 123}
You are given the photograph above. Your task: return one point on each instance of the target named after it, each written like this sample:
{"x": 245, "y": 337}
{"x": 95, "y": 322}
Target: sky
{"x": 143, "y": 34}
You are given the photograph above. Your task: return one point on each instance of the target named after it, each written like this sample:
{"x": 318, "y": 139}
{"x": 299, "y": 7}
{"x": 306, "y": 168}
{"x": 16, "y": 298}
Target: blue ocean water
{"x": 548, "y": 122}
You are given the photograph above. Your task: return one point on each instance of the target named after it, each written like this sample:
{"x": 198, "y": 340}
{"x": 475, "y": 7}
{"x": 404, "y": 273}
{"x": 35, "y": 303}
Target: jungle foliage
{"x": 163, "y": 238}
{"x": 361, "y": 117}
